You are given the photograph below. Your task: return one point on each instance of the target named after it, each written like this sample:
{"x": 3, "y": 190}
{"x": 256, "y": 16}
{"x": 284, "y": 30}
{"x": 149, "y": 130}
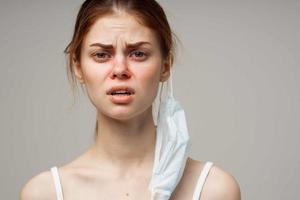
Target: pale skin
{"x": 119, "y": 164}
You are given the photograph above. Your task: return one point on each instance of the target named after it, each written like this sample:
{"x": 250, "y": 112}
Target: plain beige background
{"x": 237, "y": 76}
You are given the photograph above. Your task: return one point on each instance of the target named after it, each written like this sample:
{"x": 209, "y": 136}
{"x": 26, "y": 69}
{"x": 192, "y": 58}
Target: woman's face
{"x": 121, "y": 65}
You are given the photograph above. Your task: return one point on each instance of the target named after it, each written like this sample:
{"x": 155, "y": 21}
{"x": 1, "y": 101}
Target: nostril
{"x": 122, "y": 75}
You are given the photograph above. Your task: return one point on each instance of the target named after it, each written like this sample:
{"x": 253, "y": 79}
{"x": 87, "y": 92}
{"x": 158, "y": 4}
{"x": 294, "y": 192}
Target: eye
{"x": 101, "y": 56}
{"x": 138, "y": 55}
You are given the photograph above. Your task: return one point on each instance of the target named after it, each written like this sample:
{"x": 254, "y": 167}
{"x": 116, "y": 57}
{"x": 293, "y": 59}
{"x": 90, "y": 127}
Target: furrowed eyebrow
{"x": 137, "y": 44}
{"x": 104, "y": 46}
{"x": 128, "y": 45}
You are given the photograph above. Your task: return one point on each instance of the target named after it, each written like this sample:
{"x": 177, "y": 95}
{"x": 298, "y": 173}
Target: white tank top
{"x": 196, "y": 195}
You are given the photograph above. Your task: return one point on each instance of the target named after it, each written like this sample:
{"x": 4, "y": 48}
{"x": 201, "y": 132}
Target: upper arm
{"x": 222, "y": 185}
{"x": 38, "y": 187}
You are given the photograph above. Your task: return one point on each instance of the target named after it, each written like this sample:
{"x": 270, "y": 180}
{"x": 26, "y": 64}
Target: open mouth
{"x": 120, "y": 91}
{"x": 121, "y": 94}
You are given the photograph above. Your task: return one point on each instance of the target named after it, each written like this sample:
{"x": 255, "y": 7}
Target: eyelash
{"x": 138, "y": 58}
{"x": 101, "y": 53}
{"x": 137, "y": 51}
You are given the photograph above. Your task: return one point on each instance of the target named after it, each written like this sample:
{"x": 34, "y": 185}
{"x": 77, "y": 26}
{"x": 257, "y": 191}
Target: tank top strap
{"x": 201, "y": 180}
{"x": 57, "y": 183}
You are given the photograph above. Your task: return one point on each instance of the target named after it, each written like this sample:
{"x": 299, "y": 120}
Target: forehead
{"x": 121, "y": 27}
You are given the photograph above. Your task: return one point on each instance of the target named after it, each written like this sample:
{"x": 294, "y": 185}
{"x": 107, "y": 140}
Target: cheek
{"x": 95, "y": 76}
{"x": 94, "y": 73}
{"x": 149, "y": 82}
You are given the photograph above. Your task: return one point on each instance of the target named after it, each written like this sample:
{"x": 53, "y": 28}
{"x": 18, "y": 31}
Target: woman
{"x": 120, "y": 51}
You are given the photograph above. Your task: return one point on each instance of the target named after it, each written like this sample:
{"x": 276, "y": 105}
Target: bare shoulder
{"x": 220, "y": 185}
{"x": 40, "y": 186}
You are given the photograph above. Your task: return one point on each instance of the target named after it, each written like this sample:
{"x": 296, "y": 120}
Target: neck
{"x": 126, "y": 145}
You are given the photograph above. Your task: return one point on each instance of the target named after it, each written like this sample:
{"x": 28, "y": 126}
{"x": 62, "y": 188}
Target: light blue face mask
{"x": 172, "y": 144}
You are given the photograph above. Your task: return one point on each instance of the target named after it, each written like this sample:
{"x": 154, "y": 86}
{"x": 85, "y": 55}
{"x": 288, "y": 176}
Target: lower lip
{"x": 121, "y": 99}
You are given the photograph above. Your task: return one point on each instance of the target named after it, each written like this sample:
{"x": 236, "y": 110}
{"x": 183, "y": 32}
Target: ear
{"x": 165, "y": 72}
{"x": 77, "y": 70}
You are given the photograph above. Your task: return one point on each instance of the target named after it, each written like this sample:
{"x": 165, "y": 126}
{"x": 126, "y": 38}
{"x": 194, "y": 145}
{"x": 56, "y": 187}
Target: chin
{"x": 125, "y": 114}
{"x": 122, "y": 114}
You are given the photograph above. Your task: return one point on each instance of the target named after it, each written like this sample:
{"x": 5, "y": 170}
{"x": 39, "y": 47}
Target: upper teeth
{"x": 120, "y": 92}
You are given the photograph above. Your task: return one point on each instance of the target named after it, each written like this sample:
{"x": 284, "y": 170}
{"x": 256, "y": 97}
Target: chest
{"x": 115, "y": 190}
{"x": 76, "y": 186}
{"x": 107, "y": 190}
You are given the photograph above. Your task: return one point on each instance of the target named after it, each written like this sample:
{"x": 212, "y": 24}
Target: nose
{"x": 120, "y": 69}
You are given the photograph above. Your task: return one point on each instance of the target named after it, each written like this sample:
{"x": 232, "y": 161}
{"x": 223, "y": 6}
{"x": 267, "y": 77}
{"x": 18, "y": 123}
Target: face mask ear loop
{"x": 169, "y": 88}
{"x": 160, "y": 92}
{"x": 170, "y": 85}
{"x": 160, "y": 99}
